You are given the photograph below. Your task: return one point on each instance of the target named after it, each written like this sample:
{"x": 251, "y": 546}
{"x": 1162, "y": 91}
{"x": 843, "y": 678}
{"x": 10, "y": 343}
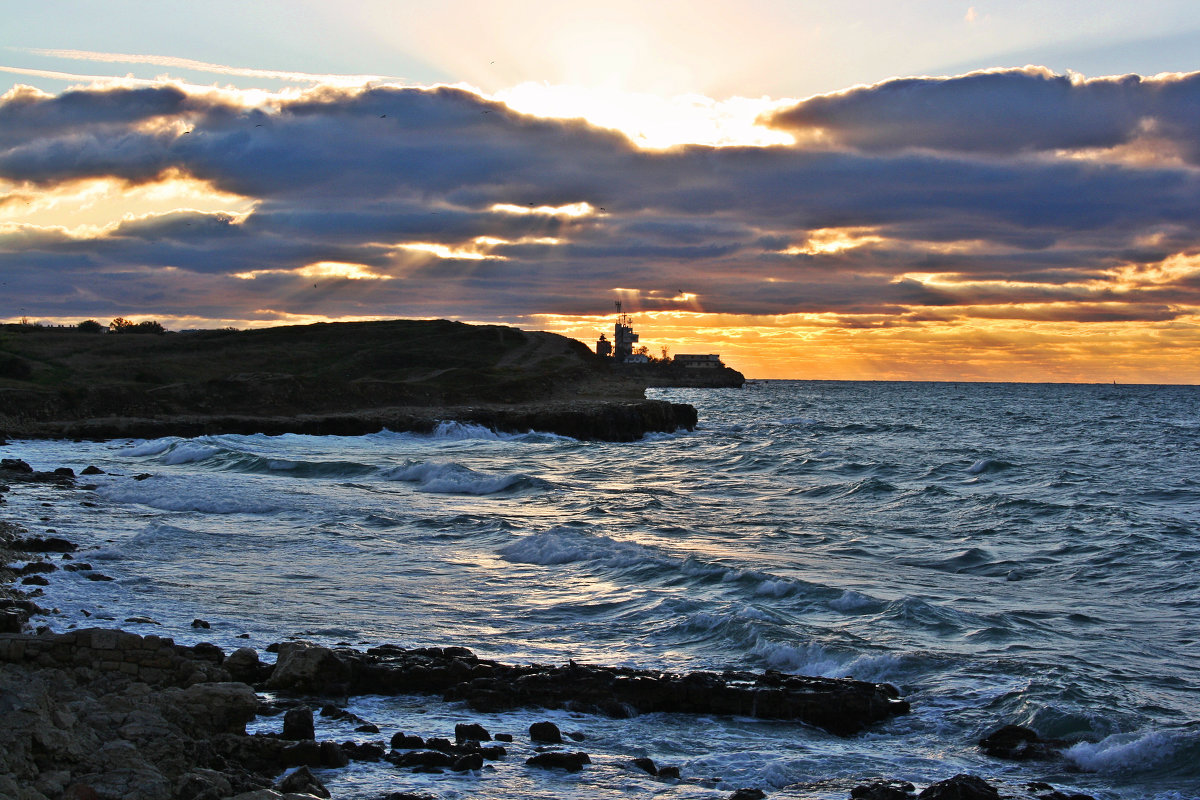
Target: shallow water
{"x": 1002, "y": 553}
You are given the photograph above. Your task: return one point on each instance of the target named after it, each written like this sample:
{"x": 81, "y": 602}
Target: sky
{"x": 926, "y": 190}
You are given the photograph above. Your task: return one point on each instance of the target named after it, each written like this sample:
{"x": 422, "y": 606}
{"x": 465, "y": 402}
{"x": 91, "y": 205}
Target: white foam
{"x": 151, "y": 447}
{"x": 189, "y": 452}
{"x": 170, "y": 495}
{"x": 462, "y": 430}
{"x": 1122, "y": 752}
{"x": 851, "y": 601}
{"x": 450, "y": 478}
{"x": 561, "y": 546}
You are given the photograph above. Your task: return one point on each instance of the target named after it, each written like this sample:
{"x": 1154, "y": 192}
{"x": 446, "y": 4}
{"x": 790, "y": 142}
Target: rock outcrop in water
{"x": 839, "y": 705}
{"x": 330, "y": 378}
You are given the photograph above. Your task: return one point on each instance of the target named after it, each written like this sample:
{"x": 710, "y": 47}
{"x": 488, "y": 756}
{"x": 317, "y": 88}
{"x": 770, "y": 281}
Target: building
{"x": 698, "y": 360}
{"x": 620, "y": 349}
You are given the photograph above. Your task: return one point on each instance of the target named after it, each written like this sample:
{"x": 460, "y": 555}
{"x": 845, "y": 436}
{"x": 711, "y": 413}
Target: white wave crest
{"x": 151, "y": 447}
{"x": 463, "y": 430}
{"x": 851, "y": 601}
{"x": 1122, "y": 752}
{"x": 189, "y": 452}
{"x": 171, "y": 495}
{"x": 441, "y": 478}
{"x": 559, "y": 546}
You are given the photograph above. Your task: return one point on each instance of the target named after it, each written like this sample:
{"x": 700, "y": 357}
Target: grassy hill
{"x": 62, "y": 374}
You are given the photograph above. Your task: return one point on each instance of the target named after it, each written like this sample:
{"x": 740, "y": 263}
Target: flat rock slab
{"x": 842, "y": 706}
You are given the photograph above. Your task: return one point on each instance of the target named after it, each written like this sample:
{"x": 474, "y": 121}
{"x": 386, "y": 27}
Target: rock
{"x": 35, "y": 580}
{"x": 37, "y": 566}
{"x": 468, "y": 763}
{"x": 422, "y": 758}
{"x": 367, "y": 728}
{"x": 748, "y": 794}
{"x": 884, "y": 790}
{"x": 301, "y": 781}
{"x": 1044, "y": 791}
{"x": 142, "y": 476}
{"x": 11, "y": 620}
{"x": 66, "y": 472}
{"x": 471, "y": 731}
{"x": 545, "y": 732}
{"x": 243, "y": 665}
{"x": 407, "y": 741}
{"x": 307, "y": 668}
{"x": 571, "y": 762}
{"x": 438, "y": 743}
{"x": 960, "y": 787}
{"x": 298, "y": 724}
{"x": 46, "y": 544}
{"x": 15, "y": 465}
{"x": 1018, "y": 743}
{"x": 493, "y": 752}
{"x": 364, "y": 751}
{"x": 199, "y": 623}
{"x": 142, "y": 621}
{"x": 646, "y": 765}
{"x": 576, "y": 736}
{"x": 332, "y": 755}
{"x": 96, "y": 576}
{"x": 92, "y": 470}
{"x": 503, "y": 737}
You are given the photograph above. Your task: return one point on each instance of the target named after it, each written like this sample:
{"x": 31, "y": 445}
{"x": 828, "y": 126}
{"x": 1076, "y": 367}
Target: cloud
{"x": 963, "y": 197}
{"x": 1003, "y": 112}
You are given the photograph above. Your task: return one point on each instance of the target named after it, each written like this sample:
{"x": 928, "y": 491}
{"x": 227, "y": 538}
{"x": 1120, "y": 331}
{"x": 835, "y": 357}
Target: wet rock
{"x": 960, "y": 787}
{"x": 199, "y": 623}
{"x": 96, "y": 576}
{"x": 422, "y": 758}
{"x": 407, "y": 741}
{"x": 546, "y": 732}
{"x": 471, "y": 731}
{"x": 142, "y": 621}
{"x": 747, "y": 794}
{"x": 1044, "y": 791}
{"x": 15, "y": 465}
{"x": 571, "y": 762}
{"x": 243, "y": 665}
{"x": 301, "y": 781}
{"x": 438, "y": 743}
{"x": 575, "y": 736}
{"x": 142, "y": 476}
{"x": 468, "y": 763}
{"x": 1018, "y": 743}
{"x": 367, "y": 728}
{"x": 884, "y": 790}
{"x": 298, "y": 724}
{"x": 364, "y": 751}
{"x": 668, "y": 772}
{"x": 307, "y": 668}
{"x": 91, "y": 470}
{"x": 66, "y": 472}
{"x": 503, "y": 737}
{"x": 646, "y": 765}
{"x": 35, "y": 580}
{"x": 34, "y": 567}
{"x": 493, "y": 752}
{"x": 43, "y": 544}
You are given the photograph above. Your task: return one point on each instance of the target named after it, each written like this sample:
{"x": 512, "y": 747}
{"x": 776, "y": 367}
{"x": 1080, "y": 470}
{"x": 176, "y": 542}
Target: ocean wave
{"x": 1126, "y": 752}
{"x": 989, "y": 465}
{"x": 175, "y": 495}
{"x": 450, "y": 478}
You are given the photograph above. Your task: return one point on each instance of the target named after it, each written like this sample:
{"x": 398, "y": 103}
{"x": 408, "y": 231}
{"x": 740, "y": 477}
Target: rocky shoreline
{"x": 614, "y": 421}
{"x": 104, "y": 713}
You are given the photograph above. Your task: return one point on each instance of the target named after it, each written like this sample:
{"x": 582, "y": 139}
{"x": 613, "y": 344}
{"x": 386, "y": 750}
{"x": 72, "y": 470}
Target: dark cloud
{"x": 934, "y": 176}
{"x": 1003, "y": 112}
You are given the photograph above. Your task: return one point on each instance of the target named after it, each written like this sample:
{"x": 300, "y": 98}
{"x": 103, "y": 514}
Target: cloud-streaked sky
{"x": 931, "y": 190}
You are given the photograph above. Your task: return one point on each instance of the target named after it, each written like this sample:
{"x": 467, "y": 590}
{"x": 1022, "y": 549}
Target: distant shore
{"x": 336, "y": 378}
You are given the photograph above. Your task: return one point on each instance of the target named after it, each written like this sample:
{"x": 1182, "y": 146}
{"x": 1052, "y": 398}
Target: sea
{"x": 1001, "y": 553}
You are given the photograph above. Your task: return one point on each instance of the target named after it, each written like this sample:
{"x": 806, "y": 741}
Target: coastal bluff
{"x": 327, "y": 378}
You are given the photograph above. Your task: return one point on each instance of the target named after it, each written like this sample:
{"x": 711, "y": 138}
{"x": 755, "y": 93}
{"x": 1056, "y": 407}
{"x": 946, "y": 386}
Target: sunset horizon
{"x": 988, "y": 205}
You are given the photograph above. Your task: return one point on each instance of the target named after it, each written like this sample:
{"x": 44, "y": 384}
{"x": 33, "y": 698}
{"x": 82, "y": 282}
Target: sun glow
{"x": 321, "y": 269}
{"x": 652, "y": 121}
{"x": 96, "y": 206}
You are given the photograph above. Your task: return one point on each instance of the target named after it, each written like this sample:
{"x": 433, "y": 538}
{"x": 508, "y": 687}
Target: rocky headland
{"x": 104, "y": 713}
{"x": 327, "y": 378}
